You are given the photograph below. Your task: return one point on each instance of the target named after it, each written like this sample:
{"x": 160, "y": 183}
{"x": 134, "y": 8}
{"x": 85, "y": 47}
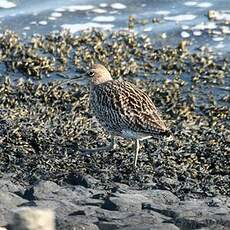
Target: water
{"x": 177, "y": 19}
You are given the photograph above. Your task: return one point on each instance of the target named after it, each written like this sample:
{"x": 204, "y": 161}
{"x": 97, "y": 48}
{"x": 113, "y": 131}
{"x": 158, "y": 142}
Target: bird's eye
{"x": 91, "y": 73}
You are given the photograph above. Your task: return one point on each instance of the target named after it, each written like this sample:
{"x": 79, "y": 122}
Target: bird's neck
{"x": 100, "y": 80}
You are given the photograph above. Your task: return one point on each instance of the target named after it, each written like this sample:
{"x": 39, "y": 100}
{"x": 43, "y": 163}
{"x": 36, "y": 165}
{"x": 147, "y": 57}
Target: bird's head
{"x": 99, "y": 74}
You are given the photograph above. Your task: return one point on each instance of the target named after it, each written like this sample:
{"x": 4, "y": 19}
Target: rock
{"x": 5, "y": 215}
{"x": 73, "y": 222}
{"x": 161, "y": 196}
{"x": 33, "y": 219}
{"x": 117, "y": 219}
{"x": 218, "y": 201}
{"x": 139, "y": 218}
{"x": 44, "y": 190}
{"x": 10, "y": 200}
{"x": 121, "y": 207}
{"x": 110, "y": 216}
{"x": 125, "y": 202}
{"x": 104, "y": 225}
{"x": 86, "y": 181}
{"x": 120, "y": 188}
{"x": 51, "y": 191}
{"x": 80, "y": 226}
{"x": 93, "y": 202}
{"x": 84, "y": 210}
{"x": 161, "y": 226}
{"x": 8, "y": 186}
{"x": 160, "y": 208}
{"x": 60, "y": 207}
{"x": 197, "y": 214}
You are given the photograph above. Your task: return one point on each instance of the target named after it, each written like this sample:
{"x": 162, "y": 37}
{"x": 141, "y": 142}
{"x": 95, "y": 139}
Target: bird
{"x": 123, "y": 110}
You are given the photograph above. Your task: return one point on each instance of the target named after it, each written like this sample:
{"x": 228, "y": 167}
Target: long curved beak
{"x": 79, "y": 77}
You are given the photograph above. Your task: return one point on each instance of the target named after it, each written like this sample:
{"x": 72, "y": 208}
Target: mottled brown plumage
{"x": 123, "y": 109}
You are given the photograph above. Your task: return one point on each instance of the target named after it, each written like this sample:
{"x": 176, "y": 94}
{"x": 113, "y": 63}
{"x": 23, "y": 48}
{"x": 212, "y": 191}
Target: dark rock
{"x": 219, "y": 201}
{"x": 86, "y": 181}
{"x": 92, "y": 202}
{"x": 77, "y": 213}
{"x": 69, "y": 225}
{"x": 125, "y": 202}
{"x": 161, "y": 196}
{"x": 99, "y": 195}
{"x": 84, "y": 210}
{"x": 196, "y": 214}
{"x": 160, "y": 208}
{"x": 161, "y": 226}
{"x": 28, "y": 194}
{"x": 28, "y": 204}
{"x": 120, "y": 188}
{"x": 189, "y": 223}
{"x": 139, "y": 218}
{"x": 109, "y": 216}
{"x": 78, "y": 207}
{"x": 61, "y": 208}
{"x": 51, "y": 191}
{"x": 74, "y": 222}
{"x": 103, "y": 225}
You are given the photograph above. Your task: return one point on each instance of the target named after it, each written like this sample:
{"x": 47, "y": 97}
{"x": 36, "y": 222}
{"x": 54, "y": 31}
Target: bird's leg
{"x": 137, "y": 147}
{"x": 109, "y": 147}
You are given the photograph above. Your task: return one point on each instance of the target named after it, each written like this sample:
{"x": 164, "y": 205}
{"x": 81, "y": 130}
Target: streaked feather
{"x": 120, "y": 105}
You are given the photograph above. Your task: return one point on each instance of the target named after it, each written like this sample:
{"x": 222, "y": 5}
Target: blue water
{"x": 178, "y": 19}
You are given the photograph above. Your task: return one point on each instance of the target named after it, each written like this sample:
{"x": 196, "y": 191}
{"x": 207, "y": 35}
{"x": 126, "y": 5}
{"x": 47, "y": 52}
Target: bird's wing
{"x": 130, "y": 108}
{"x": 145, "y": 117}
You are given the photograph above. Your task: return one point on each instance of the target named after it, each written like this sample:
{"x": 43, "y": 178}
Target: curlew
{"x": 123, "y": 109}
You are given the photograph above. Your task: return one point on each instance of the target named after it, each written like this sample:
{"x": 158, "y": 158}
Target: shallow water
{"x": 177, "y": 19}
